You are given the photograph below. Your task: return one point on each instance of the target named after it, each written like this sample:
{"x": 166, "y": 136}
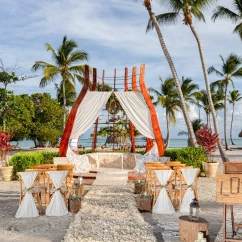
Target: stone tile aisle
{"x": 109, "y": 214}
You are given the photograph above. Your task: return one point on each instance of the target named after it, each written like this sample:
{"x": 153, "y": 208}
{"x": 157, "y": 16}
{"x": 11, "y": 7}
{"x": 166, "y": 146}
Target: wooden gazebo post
{"x": 131, "y": 126}
{"x": 94, "y": 87}
{"x": 69, "y": 125}
{"x": 154, "y": 119}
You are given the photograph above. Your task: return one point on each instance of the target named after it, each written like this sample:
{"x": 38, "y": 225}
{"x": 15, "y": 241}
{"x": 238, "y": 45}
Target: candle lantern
{"x": 194, "y": 210}
{"x": 80, "y": 180}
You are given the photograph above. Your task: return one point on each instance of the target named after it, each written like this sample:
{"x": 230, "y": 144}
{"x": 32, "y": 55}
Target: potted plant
{"x": 139, "y": 186}
{"x": 74, "y": 203}
{"x": 5, "y": 169}
{"x": 144, "y": 202}
{"x": 208, "y": 141}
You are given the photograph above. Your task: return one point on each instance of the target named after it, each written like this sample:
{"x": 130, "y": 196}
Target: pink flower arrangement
{"x": 207, "y": 140}
{"x": 5, "y": 146}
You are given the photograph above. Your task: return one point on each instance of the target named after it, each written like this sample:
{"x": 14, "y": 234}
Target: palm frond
{"x": 238, "y": 30}
{"x": 41, "y": 65}
{"x": 237, "y": 73}
{"x": 238, "y": 5}
{"x": 212, "y": 69}
{"x": 173, "y": 5}
{"x": 197, "y": 13}
{"x": 77, "y": 56}
{"x": 222, "y": 12}
{"x": 164, "y": 19}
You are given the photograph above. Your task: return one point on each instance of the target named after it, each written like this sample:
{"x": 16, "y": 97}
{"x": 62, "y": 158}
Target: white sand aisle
{"x": 109, "y": 214}
{"x": 111, "y": 177}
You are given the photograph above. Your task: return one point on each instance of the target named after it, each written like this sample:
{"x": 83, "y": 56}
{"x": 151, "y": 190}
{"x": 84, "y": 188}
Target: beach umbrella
{"x": 240, "y": 134}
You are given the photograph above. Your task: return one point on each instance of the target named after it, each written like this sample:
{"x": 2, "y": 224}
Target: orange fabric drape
{"x": 69, "y": 125}
{"x": 154, "y": 119}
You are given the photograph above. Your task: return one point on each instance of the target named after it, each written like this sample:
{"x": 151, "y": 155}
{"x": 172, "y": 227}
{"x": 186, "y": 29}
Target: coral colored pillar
{"x": 69, "y": 125}
{"x": 149, "y": 142}
{"x": 154, "y": 119}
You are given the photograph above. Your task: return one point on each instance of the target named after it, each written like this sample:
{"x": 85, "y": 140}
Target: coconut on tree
{"x": 167, "y": 98}
{"x": 66, "y": 65}
{"x": 230, "y": 69}
{"x": 189, "y": 9}
{"x": 233, "y": 97}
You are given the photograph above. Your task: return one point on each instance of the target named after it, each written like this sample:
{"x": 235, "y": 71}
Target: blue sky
{"x": 113, "y": 33}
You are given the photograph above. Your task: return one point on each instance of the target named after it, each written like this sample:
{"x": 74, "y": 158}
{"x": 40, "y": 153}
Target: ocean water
{"x": 87, "y": 143}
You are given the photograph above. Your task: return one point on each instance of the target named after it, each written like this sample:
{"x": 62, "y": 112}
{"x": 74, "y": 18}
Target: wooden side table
{"x": 189, "y": 229}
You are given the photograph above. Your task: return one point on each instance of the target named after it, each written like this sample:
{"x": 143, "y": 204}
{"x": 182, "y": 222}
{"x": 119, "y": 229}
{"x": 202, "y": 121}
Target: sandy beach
{"x": 165, "y": 228}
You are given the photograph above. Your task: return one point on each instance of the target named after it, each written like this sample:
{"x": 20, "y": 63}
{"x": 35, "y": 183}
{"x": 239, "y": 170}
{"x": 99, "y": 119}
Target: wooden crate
{"x": 229, "y": 188}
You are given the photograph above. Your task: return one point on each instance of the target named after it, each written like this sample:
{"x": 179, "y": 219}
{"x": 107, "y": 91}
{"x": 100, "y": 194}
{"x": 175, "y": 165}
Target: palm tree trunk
{"x": 168, "y": 131}
{"x": 207, "y": 114}
{"x": 173, "y": 70}
{"x": 205, "y": 72}
{"x": 232, "y": 126}
{"x": 225, "y": 119}
{"x": 64, "y": 104}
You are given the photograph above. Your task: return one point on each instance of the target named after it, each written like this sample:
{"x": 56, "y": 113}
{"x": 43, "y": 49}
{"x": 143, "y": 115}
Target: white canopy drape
{"x": 137, "y": 111}
{"x": 163, "y": 203}
{"x": 88, "y": 111}
{"x": 189, "y": 176}
{"x": 81, "y": 162}
{"x": 27, "y": 208}
{"x": 57, "y": 206}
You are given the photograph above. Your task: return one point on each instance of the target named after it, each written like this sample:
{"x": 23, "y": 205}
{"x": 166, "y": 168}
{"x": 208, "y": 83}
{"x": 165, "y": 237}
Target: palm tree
{"x": 196, "y": 125}
{"x": 147, "y": 4}
{"x": 189, "y": 9}
{"x": 218, "y": 105}
{"x": 66, "y": 64}
{"x": 230, "y": 68}
{"x": 234, "y": 96}
{"x": 235, "y": 17}
{"x": 69, "y": 91}
{"x": 189, "y": 90}
{"x": 167, "y": 98}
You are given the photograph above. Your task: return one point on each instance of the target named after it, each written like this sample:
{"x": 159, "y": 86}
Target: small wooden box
{"x": 229, "y": 188}
{"x": 144, "y": 204}
{"x": 74, "y": 206}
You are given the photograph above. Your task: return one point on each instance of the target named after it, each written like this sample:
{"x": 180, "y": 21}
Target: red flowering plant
{"x": 5, "y": 146}
{"x": 207, "y": 140}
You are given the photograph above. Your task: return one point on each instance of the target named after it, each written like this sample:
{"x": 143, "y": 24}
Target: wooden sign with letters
{"x": 229, "y": 188}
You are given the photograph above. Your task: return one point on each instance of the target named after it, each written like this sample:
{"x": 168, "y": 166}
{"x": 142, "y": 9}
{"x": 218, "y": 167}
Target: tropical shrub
{"x": 25, "y": 160}
{"x": 191, "y": 156}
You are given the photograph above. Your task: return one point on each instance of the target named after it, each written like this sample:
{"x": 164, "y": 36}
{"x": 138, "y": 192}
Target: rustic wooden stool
{"x": 189, "y": 229}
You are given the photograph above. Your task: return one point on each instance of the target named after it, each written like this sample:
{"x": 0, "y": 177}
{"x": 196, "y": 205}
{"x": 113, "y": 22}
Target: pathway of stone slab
{"x": 109, "y": 214}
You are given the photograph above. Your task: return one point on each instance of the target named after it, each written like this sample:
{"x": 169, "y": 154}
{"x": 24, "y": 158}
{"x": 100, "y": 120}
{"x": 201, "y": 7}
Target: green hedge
{"x": 25, "y": 160}
{"x": 189, "y": 156}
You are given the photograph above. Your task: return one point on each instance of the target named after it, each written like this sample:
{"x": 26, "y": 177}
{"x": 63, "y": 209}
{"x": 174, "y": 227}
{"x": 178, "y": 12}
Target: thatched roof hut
{"x": 240, "y": 134}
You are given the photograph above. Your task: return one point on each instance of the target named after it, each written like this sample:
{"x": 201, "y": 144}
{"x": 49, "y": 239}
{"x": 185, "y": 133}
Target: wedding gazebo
{"x": 136, "y": 103}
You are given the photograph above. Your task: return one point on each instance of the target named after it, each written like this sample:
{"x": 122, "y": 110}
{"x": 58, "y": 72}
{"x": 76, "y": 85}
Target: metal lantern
{"x": 194, "y": 210}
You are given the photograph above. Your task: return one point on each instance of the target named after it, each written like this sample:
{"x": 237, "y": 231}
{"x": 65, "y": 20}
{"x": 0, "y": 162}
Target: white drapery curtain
{"x": 137, "y": 111}
{"x": 189, "y": 176}
{"x": 81, "y": 162}
{"x": 27, "y": 208}
{"x": 88, "y": 111}
{"x": 57, "y": 206}
{"x": 163, "y": 203}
